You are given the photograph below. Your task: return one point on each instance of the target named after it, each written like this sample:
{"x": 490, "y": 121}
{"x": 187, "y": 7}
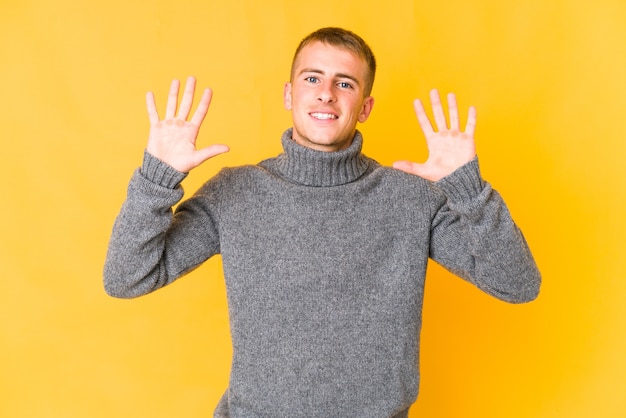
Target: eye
{"x": 344, "y": 85}
{"x": 312, "y": 79}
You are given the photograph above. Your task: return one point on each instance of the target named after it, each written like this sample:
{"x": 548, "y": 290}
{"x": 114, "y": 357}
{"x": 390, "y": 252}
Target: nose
{"x": 326, "y": 93}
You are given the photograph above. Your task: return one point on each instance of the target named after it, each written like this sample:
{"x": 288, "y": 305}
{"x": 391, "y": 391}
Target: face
{"x": 326, "y": 97}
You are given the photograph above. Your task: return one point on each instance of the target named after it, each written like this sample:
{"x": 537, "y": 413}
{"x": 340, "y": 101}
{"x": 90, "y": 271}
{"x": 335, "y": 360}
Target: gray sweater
{"x": 324, "y": 257}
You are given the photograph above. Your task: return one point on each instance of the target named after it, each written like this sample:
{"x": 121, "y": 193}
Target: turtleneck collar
{"x": 310, "y": 167}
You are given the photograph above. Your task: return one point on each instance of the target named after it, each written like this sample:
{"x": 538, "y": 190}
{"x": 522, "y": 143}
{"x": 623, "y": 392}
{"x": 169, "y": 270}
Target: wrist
{"x": 160, "y": 172}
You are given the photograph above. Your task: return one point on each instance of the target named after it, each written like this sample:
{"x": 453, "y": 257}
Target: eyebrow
{"x": 338, "y": 75}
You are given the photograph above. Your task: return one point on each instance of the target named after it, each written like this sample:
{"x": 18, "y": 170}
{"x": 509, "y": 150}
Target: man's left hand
{"x": 448, "y": 148}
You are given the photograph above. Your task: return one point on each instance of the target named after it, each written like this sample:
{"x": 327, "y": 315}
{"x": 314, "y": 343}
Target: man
{"x": 324, "y": 250}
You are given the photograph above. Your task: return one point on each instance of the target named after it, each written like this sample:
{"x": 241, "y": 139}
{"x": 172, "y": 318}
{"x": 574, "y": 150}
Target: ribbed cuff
{"x": 160, "y": 173}
{"x": 463, "y": 184}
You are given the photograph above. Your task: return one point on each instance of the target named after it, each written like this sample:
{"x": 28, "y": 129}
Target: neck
{"x": 310, "y": 167}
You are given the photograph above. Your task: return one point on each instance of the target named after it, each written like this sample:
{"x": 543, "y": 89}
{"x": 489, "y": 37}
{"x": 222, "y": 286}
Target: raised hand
{"x": 448, "y": 148}
{"x": 173, "y": 139}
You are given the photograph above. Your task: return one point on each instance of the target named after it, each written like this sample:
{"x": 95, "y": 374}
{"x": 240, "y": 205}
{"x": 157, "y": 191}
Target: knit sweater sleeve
{"x": 474, "y": 236}
{"x": 151, "y": 247}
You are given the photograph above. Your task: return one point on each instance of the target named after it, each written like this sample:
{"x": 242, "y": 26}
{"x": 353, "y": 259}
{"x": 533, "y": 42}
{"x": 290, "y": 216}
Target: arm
{"x": 149, "y": 247}
{"x": 472, "y": 233}
{"x": 474, "y": 236}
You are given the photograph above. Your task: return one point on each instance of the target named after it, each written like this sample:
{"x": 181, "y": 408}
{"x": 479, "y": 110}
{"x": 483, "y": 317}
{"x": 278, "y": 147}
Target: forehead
{"x": 328, "y": 58}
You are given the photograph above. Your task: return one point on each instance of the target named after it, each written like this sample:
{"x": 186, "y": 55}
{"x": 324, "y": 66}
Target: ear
{"x": 287, "y": 96}
{"x": 366, "y": 109}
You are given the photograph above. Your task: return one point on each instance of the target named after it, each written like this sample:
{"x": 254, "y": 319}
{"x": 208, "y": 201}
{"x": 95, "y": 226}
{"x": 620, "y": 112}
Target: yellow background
{"x": 548, "y": 79}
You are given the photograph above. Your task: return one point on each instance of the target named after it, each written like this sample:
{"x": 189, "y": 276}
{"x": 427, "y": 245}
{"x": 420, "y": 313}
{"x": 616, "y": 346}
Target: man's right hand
{"x": 173, "y": 139}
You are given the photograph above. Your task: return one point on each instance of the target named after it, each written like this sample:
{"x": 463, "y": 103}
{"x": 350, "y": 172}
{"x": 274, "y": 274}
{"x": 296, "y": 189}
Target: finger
{"x": 422, "y": 118}
{"x": 172, "y": 100}
{"x": 470, "y": 126}
{"x": 454, "y": 112}
{"x": 187, "y": 101}
{"x": 153, "y": 114}
{"x": 440, "y": 117}
{"x": 203, "y": 107}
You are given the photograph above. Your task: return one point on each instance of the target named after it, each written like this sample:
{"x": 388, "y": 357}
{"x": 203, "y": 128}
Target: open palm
{"x": 448, "y": 148}
{"x": 173, "y": 139}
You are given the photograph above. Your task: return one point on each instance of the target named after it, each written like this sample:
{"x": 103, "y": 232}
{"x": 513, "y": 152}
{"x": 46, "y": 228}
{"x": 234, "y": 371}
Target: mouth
{"x": 323, "y": 116}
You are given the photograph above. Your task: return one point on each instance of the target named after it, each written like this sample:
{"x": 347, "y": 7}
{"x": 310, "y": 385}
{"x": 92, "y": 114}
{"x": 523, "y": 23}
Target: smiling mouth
{"x": 323, "y": 116}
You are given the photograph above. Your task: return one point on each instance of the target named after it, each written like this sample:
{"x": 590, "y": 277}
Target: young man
{"x": 324, "y": 250}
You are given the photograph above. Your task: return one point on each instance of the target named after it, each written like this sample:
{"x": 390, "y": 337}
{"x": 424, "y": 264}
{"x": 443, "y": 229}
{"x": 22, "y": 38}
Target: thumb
{"x": 409, "y": 167}
{"x": 424, "y": 171}
{"x": 211, "y": 151}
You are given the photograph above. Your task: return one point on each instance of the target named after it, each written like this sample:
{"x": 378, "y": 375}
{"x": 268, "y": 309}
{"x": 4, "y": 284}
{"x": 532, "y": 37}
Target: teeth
{"x": 323, "y": 116}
